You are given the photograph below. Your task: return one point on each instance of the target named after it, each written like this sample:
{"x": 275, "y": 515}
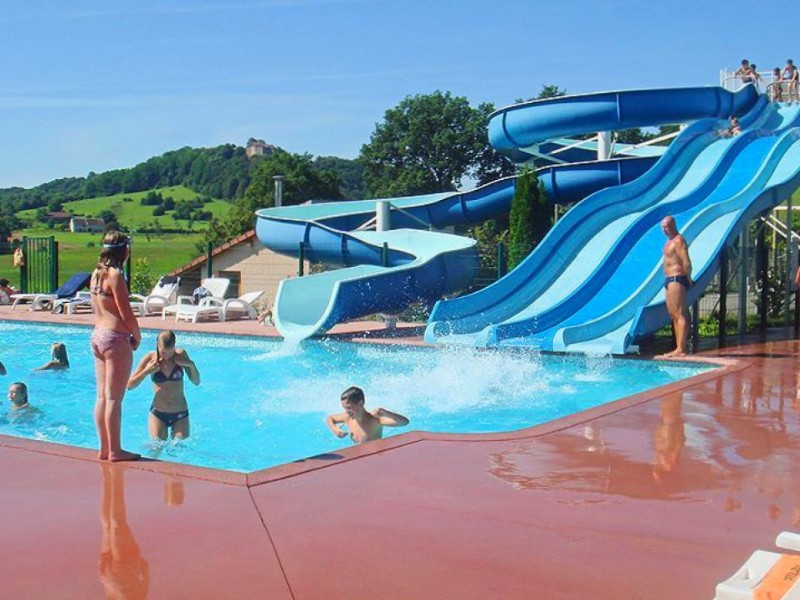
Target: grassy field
{"x": 164, "y": 253}
{"x": 134, "y": 215}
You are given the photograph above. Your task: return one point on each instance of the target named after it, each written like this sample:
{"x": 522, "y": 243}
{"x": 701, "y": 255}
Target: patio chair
{"x": 162, "y": 295}
{"x": 217, "y": 286}
{"x": 45, "y": 301}
{"x": 766, "y": 574}
{"x": 82, "y": 299}
{"x": 208, "y": 307}
{"x": 241, "y": 306}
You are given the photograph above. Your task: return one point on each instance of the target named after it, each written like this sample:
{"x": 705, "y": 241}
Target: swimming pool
{"x": 262, "y": 403}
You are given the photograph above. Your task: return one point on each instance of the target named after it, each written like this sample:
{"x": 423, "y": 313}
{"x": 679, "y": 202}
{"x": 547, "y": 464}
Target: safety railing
{"x": 733, "y": 82}
{"x": 783, "y": 91}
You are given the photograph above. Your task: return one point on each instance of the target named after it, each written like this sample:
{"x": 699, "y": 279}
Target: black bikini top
{"x": 176, "y": 375}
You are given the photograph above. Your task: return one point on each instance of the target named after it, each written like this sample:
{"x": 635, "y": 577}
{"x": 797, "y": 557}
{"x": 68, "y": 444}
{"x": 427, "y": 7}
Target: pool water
{"x": 262, "y": 403}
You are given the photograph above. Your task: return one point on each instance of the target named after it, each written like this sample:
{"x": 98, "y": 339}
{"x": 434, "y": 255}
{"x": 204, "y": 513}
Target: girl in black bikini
{"x": 166, "y": 367}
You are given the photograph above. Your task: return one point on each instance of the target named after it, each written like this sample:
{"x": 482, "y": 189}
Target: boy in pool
{"x": 362, "y": 425}
{"x": 21, "y": 410}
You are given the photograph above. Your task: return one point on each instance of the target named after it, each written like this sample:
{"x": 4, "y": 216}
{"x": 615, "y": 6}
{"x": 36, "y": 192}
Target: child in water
{"x": 59, "y": 359}
{"x": 362, "y": 425}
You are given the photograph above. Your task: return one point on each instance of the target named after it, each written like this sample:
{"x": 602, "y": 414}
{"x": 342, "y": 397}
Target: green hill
{"x": 79, "y": 252}
{"x": 135, "y": 216}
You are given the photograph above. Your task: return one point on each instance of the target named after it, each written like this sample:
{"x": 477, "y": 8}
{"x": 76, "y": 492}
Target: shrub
{"x": 142, "y": 277}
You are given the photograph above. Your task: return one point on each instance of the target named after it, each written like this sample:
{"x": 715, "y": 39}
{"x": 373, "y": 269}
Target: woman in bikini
{"x": 166, "y": 367}
{"x": 116, "y": 335}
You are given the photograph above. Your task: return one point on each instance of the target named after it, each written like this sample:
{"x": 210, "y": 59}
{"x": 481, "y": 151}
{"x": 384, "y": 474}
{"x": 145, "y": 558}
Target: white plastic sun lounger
{"x": 241, "y": 306}
{"x": 216, "y": 285}
{"x": 766, "y": 574}
{"x": 208, "y": 307}
{"x": 163, "y": 294}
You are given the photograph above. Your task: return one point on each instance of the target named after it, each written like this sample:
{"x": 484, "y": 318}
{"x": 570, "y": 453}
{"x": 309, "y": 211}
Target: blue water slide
{"x": 608, "y": 293}
{"x": 723, "y": 168}
{"x": 632, "y": 275}
{"x": 419, "y": 265}
{"x": 708, "y": 234}
{"x": 528, "y": 299}
{"x": 515, "y": 128}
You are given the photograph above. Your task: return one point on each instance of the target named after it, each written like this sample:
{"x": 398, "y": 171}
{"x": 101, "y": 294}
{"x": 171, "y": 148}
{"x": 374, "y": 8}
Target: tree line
{"x": 428, "y": 143}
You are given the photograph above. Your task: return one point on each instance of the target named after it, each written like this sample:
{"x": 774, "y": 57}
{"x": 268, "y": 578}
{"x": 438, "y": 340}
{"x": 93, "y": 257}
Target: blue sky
{"x": 98, "y": 85}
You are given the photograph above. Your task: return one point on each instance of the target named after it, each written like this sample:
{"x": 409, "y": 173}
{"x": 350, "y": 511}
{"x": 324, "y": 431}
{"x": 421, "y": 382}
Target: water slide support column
{"x": 743, "y": 238}
{"x": 603, "y": 145}
{"x": 278, "y": 179}
{"x": 790, "y": 285}
{"x": 383, "y": 215}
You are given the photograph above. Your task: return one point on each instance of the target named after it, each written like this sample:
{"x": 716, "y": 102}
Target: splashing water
{"x": 263, "y": 402}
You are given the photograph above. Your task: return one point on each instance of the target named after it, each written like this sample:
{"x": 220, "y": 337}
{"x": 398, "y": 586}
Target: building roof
{"x": 200, "y": 260}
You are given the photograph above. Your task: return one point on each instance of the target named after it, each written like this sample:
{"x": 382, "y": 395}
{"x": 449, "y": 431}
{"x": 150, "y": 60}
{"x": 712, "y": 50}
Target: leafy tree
{"x": 8, "y": 223}
{"x": 349, "y": 172}
{"x": 169, "y": 203}
{"x": 159, "y": 211}
{"x": 632, "y": 136}
{"x": 301, "y": 182}
{"x": 530, "y": 218}
{"x": 152, "y": 199}
{"x": 547, "y": 91}
{"x": 427, "y": 143}
{"x": 550, "y": 91}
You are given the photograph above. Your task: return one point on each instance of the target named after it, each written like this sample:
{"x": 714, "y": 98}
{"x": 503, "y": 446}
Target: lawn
{"x": 164, "y": 252}
{"x": 133, "y": 215}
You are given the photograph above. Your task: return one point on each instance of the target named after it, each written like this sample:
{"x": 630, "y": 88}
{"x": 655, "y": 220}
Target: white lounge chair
{"x": 163, "y": 294}
{"x": 768, "y": 574}
{"x": 241, "y": 306}
{"x": 208, "y": 307}
{"x": 45, "y": 301}
{"x": 81, "y": 300}
{"x": 218, "y": 286}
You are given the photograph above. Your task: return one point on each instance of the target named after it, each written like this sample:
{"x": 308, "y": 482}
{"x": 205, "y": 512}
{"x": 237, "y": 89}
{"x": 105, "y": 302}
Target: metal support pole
{"x": 762, "y": 261}
{"x": 743, "y": 239}
{"x": 51, "y": 252}
{"x": 209, "y": 265}
{"x": 127, "y": 267}
{"x": 603, "y": 145}
{"x": 695, "y": 326}
{"x": 723, "y": 297}
{"x": 789, "y": 271}
{"x": 383, "y": 215}
{"x": 278, "y": 179}
{"x": 385, "y": 254}
{"x": 301, "y": 258}
{"x": 23, "y": 270}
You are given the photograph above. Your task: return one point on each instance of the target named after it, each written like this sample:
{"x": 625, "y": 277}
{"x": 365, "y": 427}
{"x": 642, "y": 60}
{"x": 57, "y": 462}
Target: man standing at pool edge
{"x": 677, "y": 280}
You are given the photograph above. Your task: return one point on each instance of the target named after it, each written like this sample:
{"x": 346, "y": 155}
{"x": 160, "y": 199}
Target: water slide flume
{"x": 586, "y": 285}
{"x": 422, "y": 265}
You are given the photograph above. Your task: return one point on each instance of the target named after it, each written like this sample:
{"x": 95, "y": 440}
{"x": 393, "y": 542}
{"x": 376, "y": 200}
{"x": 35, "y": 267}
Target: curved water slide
{"x": 386, "y": 271}
{"x": 594, "y": 282}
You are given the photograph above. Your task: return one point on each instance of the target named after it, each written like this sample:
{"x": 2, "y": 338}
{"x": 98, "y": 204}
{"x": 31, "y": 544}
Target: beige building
{"x": 247, "y": 263}
{"x": 258, "y": 148}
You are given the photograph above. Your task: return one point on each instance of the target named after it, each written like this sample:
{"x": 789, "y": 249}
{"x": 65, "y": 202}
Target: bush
{"x": 159, "y": 211}
{"x": 142, "y": 277}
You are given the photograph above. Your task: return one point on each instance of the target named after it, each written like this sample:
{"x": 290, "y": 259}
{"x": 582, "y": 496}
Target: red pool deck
{"x": 658, "y": 496}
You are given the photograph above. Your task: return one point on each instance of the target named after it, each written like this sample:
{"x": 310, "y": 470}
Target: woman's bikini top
{"x": 96, "y": 285}
{"x": 176, "y": 375}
